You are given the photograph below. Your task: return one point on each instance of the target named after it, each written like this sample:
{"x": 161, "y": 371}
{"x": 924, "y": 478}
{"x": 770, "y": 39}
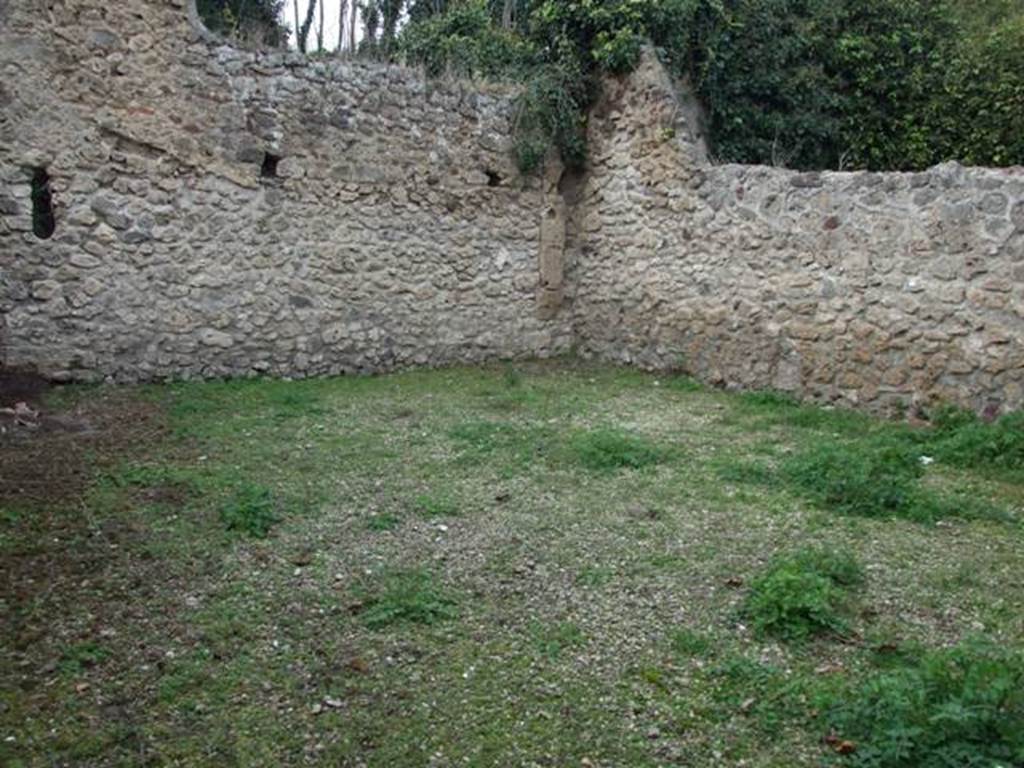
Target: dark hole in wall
{"x": 493, "y": 178}
{"x": 268, "y": 170}
{"x": 43, "y": 222}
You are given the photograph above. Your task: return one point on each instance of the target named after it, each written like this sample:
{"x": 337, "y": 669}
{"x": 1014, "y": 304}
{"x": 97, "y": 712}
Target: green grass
{"x": 804, "y": 594}
{"x": 82, "y": 656}
{"x": 960, "y": 706}
{"x": 551, "y": 563}
{"x": 611, "y": 448}
{"x": 688, "y": 643}
{"x": 435, "y": 505}
{"x": 551, "y": 641}
{"x": 384, "y": 521}
{"x": 962, "y": 440}
{"x": 250, "y": 510}
{"x": 405, "y": 597}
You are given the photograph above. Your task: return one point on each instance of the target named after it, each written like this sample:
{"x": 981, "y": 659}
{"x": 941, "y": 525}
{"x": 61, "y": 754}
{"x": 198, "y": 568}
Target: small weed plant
{"x": 803, "y": 594}
{"x": 406, "y": 597}
{"x": 251, "y": 510}
{"x": 955, "y": 707}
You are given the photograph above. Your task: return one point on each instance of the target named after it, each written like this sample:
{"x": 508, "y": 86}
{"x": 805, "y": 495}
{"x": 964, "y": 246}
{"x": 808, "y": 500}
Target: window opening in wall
{"x": 493, "y": 178}
{"x": 269, "y": 168}
{"x": 43, "y": 223}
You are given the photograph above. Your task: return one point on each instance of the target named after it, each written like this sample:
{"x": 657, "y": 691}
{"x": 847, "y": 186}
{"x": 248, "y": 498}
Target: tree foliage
{"x": 256, "y": 21}
{"x": 879, "y": 84}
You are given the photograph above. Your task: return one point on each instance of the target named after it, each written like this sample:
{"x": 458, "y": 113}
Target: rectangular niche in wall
{"x": 268, "y": 170}
{"x": 43, "y": 222}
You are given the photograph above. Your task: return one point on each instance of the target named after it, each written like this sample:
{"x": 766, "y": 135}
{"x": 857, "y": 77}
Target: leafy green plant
{"x": 251, "y": 510}
{"x": 962, "y": 706}
{"x": 406, "y": 597}
{"x": 549, "y": 113}
{"x": 803, "y": 594}
{"x": 608, "y": 448}
{"x": 465, "y": 42}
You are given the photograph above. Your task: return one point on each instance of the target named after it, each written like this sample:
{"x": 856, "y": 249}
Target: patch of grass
{"x": 480, "y": 441}
{"x": 406, "y": 597}
{"x": 608, "y": 448}
{"x": 434, "y": 505}
{"x": 295, "y": 401}
{"x": 148, "y": 475}
{"x": 385, "y": 521}
{"x": 962, "y": 706}
{"x": 482, "y": 436}
{"x": 82, "y": 656}
{"x": 687, "y": 643}
{"x": 769, "y": 696}
{"x": 595, "y": 576}
{"x": 683, "y": 383}
{"x": 769, "y": 399}
{"x": 251, "y": 510}
{"x": 552, "y": 640}
{"x": 783, "y": 409}
{"x": 803, "y": 594}
{"x": 593, "y": 607}
{"x": 962, "y": 440}
{"x": 512, "y": 376}
{"x": 878, "y": 478}
{"x": 734, "y": 470}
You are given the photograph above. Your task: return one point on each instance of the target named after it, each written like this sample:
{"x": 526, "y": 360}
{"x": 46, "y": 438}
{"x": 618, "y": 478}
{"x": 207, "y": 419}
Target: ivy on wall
{"x": 809, "y": 84}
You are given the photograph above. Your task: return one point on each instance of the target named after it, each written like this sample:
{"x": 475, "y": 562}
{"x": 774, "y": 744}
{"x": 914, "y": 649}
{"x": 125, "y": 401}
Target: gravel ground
{"x": 539, "y": 609}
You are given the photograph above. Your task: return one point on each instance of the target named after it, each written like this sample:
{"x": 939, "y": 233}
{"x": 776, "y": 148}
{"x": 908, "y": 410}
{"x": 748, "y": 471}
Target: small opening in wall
{"x": 43, "y": 222}
{"x": 493, "y": 178}
{"x": 269, "y": 168}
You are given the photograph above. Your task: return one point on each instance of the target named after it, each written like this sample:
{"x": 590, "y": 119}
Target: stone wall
{"x": 223, "y": 213}
{"x": 394, "y": 230}
{"x": 883, "y": 290}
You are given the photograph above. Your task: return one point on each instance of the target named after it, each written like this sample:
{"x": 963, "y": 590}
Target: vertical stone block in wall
{"x": 552, "y": 244}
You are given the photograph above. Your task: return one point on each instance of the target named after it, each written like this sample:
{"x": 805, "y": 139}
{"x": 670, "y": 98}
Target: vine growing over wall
{"x": 810, "y": 84}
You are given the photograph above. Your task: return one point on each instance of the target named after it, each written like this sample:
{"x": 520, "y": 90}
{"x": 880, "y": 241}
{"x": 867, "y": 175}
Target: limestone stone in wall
{"x": 881, "y": 290}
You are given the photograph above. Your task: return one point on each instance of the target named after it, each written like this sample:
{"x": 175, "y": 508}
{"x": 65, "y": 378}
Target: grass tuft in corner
{"x": 803, "y": 594}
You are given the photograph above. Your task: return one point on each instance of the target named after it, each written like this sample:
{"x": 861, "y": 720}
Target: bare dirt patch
{"x": 53, "y": 454}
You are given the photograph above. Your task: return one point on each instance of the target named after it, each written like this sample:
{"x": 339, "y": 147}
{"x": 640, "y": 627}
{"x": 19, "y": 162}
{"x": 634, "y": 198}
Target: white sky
{"x": 330, "y": 21}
